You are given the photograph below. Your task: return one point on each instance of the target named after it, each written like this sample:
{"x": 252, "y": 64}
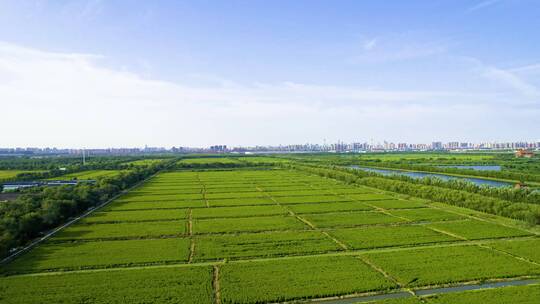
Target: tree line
{"x": 517, "y": 210}
{"x": 42, "y": 208}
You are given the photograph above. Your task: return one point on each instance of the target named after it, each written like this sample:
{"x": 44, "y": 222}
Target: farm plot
{"x": 328, "y": 207}
{"x": 247, "y": 224}
{"x": 262, "y": 245}
{"x": 122, "y": 230}
{"x": 528, "y": 249}
{"x": 161, "y": 197}
{"x": 390, "y": 236}
{"x": 310, "y": 199}
{"x": 308, "y": 192}
{"x": 244, "y": 211}
{"x": 397, "y": 204}
{"x": 440, "y": 265}
{"x": 297, "y": 278}
{"x": 129, "y": 206}
{"x": 368, "y": 197}
{"x": 159, "y": 285}
{"x": 426, "y": 215}
{"x": 350, "y": 219}
{"x": 246, "y": 201}
{"x": 475, "y": 230}
{"x": 81, "y": 255}
{"x": 254, "y": 194}
{"x": 135, "y": 216}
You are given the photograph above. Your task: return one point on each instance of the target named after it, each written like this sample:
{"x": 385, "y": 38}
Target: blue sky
{"x": 196, "y": 73}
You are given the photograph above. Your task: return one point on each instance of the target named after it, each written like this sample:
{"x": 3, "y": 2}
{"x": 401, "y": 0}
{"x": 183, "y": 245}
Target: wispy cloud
{"x": 370, "y": 44}
{"x": 482, "y": 5}
{"x": 526, "y": 69}
{"x": 513, "y": 81}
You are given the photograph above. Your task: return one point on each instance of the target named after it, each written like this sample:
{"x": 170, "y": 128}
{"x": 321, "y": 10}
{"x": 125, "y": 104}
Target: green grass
{"x": 145, "y": 162}
{"x": 528, "y": 249}
{"x": 328, "y": 207}
{"x": 262, "y": 245}
{"x": 137, "y": 215}
{"x": 426, "y": 214}
{"x": 504, "y": 295}
{"x": 80, "y": 255}
{"x": 208, "y": 160}
{"x": 249, "y": 224}
{"x": 164, "y": 285}
{"x": 244, "y": 211}
{"x": 349, "y": 219}
{"x": 299, "y": 278}
{"x": 7, "y": 174}
{"x": 122, "y": 230}
{"x": 440, "y": 265}
{"x": 374, "y": 237}
{"x": 475, "y": 230}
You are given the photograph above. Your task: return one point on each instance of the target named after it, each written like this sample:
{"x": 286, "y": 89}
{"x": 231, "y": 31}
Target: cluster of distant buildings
{"x": 334, "y": 147}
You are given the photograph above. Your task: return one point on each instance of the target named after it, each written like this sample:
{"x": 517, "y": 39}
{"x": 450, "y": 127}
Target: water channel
{"x": 416, "y": 174}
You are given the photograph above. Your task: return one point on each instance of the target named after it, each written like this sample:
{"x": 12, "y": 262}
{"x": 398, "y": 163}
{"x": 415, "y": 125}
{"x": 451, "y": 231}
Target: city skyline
{"x": 116, "y": 74}
{"x": 356, "y": 146}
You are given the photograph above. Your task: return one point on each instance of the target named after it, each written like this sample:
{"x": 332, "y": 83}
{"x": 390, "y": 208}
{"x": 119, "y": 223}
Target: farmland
{"x": 269, "y": 235}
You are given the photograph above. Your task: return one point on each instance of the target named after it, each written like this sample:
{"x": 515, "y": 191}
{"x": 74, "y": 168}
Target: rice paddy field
{"x": 270, "y": 236}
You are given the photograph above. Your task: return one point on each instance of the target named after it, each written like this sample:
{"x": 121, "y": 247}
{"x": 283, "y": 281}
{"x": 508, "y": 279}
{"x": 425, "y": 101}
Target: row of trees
{"x": 522, "y": 211}
{"x": 517, "y": 195}
{"x": 508, "y": 175}
{"x": 43, "y": 208}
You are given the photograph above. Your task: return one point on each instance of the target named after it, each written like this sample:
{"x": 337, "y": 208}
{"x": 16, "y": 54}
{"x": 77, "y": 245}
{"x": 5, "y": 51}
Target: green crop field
{"x": 429, "y": 266}
{"x": 8, "y": 174}
{"x": 262, "y": 245}
{"x": 376, "y": 237}
{"x": 263, "y": 281}
{"x": 224, "y": 236}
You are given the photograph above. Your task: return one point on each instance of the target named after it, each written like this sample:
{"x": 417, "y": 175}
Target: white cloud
{"x": 57, "y": 99}
{"x": 511, "y": 80}
{"x": 399, "y": 47}
{"x": 370, "y": 44}
{"x": 482, "y": 5}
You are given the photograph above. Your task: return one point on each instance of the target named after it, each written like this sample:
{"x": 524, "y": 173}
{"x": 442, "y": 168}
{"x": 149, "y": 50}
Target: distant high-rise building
{"x": 436, "y": 145}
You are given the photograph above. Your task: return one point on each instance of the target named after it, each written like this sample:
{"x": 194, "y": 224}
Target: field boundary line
{"x": 72, "y": 221}
{"x": 203, "y": 190}
{"x": 366, "y": 261}
{"x": 515, "y": 256}
{"x": 190, "y": 234}
{"x": 215, "y": 284}
{"x": 447, "y": 233}
{"x": 303, "y": 220}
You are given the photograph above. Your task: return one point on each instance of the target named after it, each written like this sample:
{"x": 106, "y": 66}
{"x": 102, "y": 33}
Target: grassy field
{"x": 7, "y": 174}
{"x": 258, "y": 236}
